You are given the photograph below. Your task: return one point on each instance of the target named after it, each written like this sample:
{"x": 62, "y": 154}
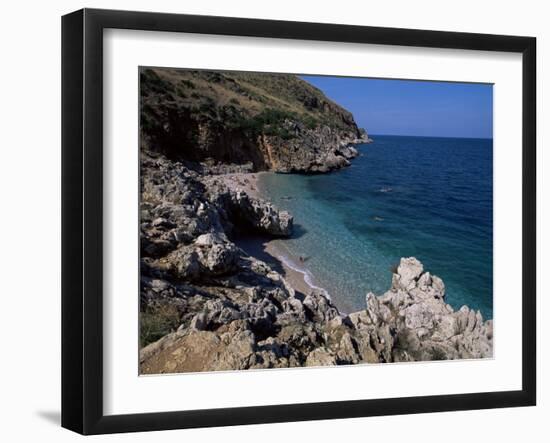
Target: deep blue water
{"x": 426, "y": 197}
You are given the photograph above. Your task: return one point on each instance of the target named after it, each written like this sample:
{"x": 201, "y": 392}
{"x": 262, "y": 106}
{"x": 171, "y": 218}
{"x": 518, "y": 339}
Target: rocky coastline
{"x": 207, "y": 305}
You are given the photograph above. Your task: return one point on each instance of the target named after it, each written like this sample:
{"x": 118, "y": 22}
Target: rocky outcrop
{"x": 177, "y": 210}
{"x": 417, "y": 325}
{"x": 248, "y": 212}
{"x": 316, "y": 150}
{"x": 272, "y": 122}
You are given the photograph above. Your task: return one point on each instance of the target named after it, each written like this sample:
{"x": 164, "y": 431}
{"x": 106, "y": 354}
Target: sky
{"x": 408, "y": 107}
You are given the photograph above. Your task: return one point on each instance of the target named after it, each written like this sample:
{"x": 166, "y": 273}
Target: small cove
{"x": 426, "y": 197}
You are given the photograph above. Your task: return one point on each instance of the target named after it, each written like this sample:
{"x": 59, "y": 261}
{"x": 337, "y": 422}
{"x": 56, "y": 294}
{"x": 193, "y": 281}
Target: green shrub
{"x": 150, "y": 81}
{"x": 309, "y": 122}
{"x": 157, "y": 321}
{"x": 187, "y": 83}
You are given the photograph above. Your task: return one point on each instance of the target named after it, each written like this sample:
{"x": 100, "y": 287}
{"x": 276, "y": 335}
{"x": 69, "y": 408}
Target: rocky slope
{"x": 206, "y": 305}
{"x": 270, "y": 121}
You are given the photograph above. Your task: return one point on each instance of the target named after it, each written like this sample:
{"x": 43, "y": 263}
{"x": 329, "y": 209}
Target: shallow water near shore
{"x": 426, "y": 197}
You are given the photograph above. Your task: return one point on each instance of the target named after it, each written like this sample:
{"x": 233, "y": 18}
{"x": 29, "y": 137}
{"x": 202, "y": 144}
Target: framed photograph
{"x": 269, "y": 221}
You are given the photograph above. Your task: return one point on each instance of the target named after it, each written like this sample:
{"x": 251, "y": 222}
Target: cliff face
{"x": 207, "y": 305}
{"x": 270, "y": 121}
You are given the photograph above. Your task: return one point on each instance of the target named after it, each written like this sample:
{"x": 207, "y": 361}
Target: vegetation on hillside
{"x": 227, "y": 116}
{"x": 253, "y": 102}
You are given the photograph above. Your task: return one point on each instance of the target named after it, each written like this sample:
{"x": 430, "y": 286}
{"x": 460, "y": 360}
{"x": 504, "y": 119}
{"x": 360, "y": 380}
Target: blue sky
{"x": 407, "y": 107}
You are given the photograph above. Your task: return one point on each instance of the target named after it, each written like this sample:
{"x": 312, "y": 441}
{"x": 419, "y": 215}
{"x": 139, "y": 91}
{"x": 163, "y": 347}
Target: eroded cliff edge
{"x": 260, "y": 121}
{"x": 207, "y": 305}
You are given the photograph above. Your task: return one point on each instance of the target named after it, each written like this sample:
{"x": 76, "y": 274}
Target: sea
{"x": 424, "y": 197}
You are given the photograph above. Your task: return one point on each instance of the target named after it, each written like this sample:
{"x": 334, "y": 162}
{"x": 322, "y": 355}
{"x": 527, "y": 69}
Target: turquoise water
{"x": 426, "y": 197}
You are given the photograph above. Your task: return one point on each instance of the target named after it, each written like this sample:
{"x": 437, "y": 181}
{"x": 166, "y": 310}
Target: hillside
{"x": 266, "y": 121}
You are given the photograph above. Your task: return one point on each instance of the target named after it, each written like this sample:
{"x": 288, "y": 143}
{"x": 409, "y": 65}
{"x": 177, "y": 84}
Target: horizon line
{"x": 427, "y": 136}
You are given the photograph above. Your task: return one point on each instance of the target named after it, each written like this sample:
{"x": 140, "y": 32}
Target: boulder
{"x": 408, "y": 271}
{"x": 262, "y": 215}
{"x": 216, "y": 255}
{"x": 320, "y": 357}
{"x": 319, "y": 307}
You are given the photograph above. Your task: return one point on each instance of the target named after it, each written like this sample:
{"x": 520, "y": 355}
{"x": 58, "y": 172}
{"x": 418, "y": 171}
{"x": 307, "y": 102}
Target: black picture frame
{"x": 82, "y": 218}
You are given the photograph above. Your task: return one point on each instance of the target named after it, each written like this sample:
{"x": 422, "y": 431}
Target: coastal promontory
{"x": 261, "y": 121}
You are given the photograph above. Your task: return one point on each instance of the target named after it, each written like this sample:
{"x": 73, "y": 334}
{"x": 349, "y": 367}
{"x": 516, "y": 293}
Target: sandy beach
{"x": 243, "y": 181}
{"x": 270, "y": 251}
